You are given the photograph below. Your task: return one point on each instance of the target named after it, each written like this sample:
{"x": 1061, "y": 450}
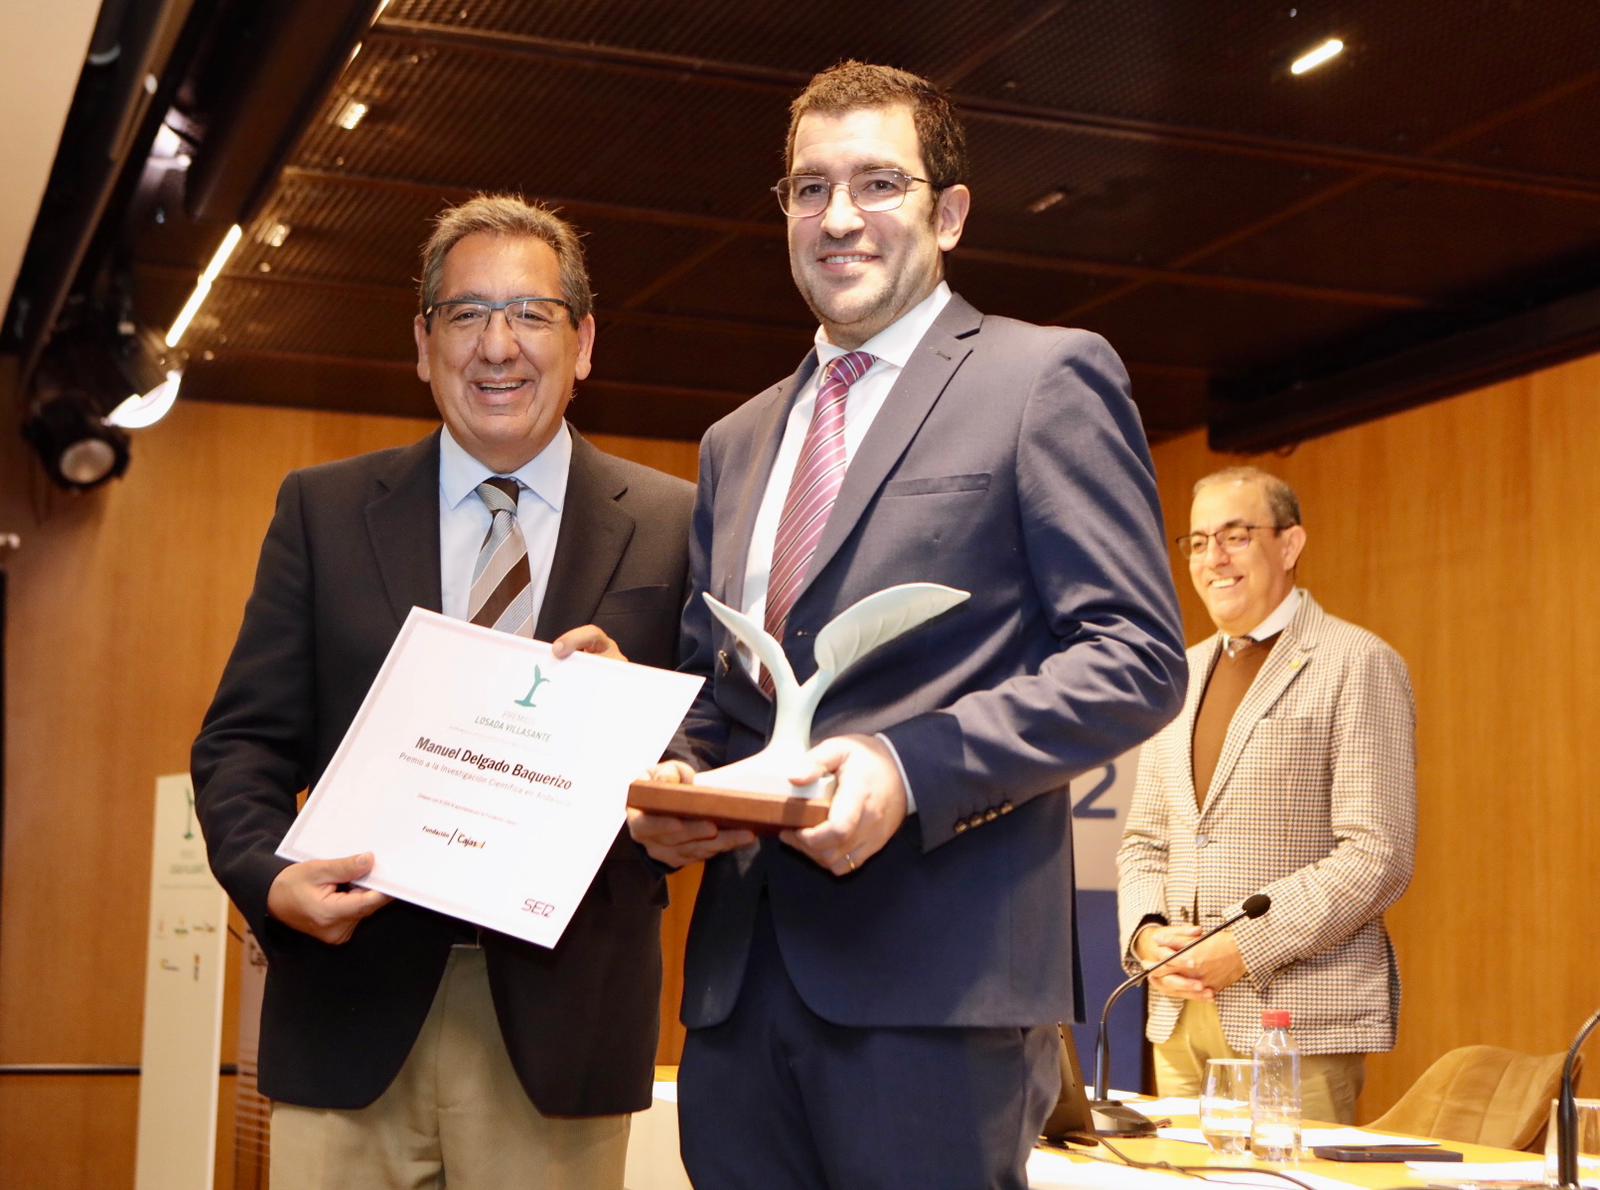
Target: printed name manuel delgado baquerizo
{"x": 491, "y": 764}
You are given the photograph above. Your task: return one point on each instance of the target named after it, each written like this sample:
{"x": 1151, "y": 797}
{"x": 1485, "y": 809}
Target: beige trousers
{"x": 455, "y": 1114}
{"x": 1330, "y": 1084}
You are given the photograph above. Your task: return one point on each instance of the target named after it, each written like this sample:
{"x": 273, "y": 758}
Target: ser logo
{"x": 538, "y": 908}
{"x": 538, "y": 680}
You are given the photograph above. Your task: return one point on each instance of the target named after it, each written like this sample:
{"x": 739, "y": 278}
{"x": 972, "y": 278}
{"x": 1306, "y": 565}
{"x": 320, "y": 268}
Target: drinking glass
{"x": 1225, "y": 1104}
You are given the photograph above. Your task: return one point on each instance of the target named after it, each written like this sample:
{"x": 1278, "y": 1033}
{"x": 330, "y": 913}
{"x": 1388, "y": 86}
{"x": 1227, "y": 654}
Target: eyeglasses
{"x": 464, "y": 319}
{"x": 1233, "y": 539}
{"x": 804, "y": 195}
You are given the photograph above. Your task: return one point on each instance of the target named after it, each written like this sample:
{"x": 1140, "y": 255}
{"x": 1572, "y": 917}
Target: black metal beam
{"x": 716, "y": 72}
{"x": 1546, "y": 335}
{"x": 90, "y": 1069}
{"x": 284, "y": 72}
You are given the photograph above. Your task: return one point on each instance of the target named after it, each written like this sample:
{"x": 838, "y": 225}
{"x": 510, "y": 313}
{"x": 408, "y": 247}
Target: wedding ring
{"x": 849, "y": 861}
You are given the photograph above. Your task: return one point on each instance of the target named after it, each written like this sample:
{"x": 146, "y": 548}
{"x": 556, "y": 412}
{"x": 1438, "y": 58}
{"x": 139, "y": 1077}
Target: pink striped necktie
{"x": 815, "y": 486}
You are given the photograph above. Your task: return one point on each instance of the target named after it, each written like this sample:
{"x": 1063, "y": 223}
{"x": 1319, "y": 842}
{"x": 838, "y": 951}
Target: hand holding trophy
{"x": 756, "y": 792}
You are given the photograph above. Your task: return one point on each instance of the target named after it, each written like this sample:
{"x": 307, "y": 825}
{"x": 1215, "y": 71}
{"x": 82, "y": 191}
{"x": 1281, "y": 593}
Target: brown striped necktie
{"x": 502, "y": 588}
{"x": 815, "y": 486}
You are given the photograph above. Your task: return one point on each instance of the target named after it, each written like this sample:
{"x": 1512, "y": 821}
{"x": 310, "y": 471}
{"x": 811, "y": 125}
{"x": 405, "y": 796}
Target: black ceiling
{"x": 1271, "y": 255}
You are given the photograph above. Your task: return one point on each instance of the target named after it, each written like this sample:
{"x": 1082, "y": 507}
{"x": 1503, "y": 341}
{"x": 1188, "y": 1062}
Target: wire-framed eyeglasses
{"x": 804, "y": 195}
{"x": 527, "y": 317}
{"x": 1233, "y": 539}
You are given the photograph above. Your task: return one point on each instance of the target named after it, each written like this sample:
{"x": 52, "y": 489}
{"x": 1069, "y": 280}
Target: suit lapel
{"x": 403, "y": 527}
{"x": 927, "y": 373}
{"x": 1290, "y": 658}
{"x": 594, "y": 532}
{"x": 751, "y": 487}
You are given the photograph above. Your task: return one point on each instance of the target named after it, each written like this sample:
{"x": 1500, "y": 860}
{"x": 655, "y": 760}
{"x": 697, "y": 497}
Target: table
{"x": 654, "y": 1164}
{"x": 1046, "y": 1168}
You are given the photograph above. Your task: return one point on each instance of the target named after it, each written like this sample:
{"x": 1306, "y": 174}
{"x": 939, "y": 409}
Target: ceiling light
{"x": 140, "y": 412}
{"x": 351, "y": 114}
{"x": 167, "y": 143}
{"x": 1045, "y": 201}
{"x": 1325, "y": 52}
{"x": 274, "y": 235}
{"x": 203, "y": 286}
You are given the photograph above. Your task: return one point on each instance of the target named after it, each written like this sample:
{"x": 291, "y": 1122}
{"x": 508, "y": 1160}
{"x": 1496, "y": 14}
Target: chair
{"x": 1480, "y": 1094}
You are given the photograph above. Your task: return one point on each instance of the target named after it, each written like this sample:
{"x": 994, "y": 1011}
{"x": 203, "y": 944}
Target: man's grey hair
{"x": 508, "y": 215}
{"x": 1282, "y": 501}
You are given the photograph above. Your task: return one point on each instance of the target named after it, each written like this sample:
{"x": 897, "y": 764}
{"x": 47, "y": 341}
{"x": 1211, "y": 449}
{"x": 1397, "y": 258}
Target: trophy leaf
{"x": 749, "y": 633}
{"x": 878, "y": 619}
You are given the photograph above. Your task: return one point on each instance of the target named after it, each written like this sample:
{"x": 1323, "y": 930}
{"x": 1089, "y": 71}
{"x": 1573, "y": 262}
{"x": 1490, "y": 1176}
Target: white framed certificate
{"x": 487, "y": 778}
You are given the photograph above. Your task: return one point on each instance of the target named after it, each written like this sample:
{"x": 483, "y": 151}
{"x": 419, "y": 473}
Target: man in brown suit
{"x": 1291, "y": 771}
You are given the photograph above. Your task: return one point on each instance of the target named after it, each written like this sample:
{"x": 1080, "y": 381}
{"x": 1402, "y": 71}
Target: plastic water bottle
{"x": 1275, "y": 1094}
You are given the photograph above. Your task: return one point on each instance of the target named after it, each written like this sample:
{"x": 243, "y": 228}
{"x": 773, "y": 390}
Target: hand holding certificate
{"x": 486, "y": 777}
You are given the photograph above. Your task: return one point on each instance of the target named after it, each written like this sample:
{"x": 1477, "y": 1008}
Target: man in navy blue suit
{"x": 871, "y": 1001}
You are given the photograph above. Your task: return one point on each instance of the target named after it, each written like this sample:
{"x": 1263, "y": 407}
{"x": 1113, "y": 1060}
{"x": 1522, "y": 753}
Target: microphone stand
{"x": 1109, "y": 1117}
{"x": 1567, "y": 1114}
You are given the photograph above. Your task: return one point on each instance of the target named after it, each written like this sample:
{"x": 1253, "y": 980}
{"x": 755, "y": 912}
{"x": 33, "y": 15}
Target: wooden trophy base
{"x": 763, "y": 813}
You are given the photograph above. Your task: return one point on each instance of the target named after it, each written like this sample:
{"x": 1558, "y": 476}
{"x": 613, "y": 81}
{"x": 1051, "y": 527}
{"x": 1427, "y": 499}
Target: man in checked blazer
{"x": 1291, "y": 771}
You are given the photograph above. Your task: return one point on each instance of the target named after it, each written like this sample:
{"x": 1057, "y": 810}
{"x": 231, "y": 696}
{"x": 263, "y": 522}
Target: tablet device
{"x": 1384, "y": 1153}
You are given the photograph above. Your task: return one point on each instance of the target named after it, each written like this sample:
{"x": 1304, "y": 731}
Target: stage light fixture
{"x": 97, "y": 379}
{"x": 78, "y": 449}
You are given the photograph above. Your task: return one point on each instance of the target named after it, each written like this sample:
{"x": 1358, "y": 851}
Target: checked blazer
{"x": 1313, "y": 802}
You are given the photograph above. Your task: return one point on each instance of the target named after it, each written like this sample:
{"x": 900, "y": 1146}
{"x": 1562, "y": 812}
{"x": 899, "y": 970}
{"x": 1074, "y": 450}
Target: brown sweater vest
{"x": 1225, "y": 690}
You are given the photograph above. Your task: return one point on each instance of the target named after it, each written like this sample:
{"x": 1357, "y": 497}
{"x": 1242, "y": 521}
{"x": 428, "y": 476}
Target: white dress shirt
{"x": 464, "y": 518}
{"x": 891, "y": 349}
{"x": 1276, "y": 622}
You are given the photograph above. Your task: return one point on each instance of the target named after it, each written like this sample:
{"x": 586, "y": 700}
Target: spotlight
{"x": 94, "y": 381}
{"x": 78, "y": 449}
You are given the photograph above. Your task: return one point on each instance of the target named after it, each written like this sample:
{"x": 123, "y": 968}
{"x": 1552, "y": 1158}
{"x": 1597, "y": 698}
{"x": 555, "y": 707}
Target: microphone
{"x": 1567, "y": 1114}
{"x": 1109, "y": 1117}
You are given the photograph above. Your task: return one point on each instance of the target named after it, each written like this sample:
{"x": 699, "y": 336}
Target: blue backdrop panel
{"x": 1097, "y": 939}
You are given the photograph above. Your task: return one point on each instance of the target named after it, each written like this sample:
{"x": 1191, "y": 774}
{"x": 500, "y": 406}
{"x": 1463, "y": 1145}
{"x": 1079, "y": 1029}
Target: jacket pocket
{"x": 934, "y": 484}
{"x": 633, "y": 599}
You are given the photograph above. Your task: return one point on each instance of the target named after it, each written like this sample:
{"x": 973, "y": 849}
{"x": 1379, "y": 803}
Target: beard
{"x": 852, "y": 313}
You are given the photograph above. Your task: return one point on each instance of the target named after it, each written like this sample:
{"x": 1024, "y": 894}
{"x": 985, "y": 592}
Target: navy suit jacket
{"x": 1008, "y": 461}
{"x": 354, "y": 545}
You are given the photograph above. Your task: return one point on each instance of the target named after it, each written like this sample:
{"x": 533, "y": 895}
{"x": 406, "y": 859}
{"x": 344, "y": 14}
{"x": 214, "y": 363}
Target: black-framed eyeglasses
{"x": 1233, "y": 539}
{"x": 467, "y": 318}
{"x": 804, "y": 195}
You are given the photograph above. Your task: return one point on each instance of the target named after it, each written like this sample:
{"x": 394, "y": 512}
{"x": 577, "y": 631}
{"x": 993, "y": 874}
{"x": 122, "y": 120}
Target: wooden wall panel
{"x": 68, "y": 1133}
{"x": 123, "y": 606}
{"x": 1463, "y": 533}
